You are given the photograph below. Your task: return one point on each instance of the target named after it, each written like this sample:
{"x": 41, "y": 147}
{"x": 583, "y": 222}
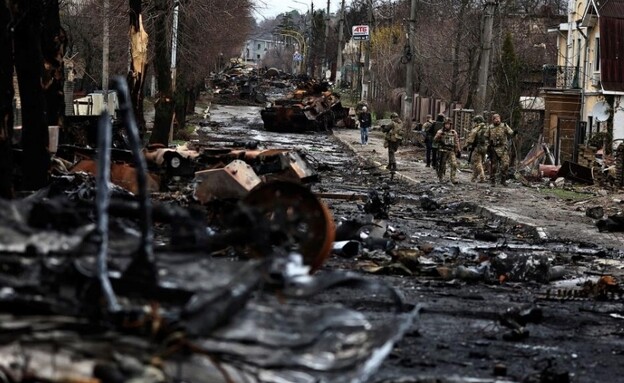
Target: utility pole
{"x": 366, "y": 78}
{"x": 105, "y": 50}
{"x": 326, "y": 68}
{"x": 486, "y": 48}
{"x": 409, "y": 61}
{"x": 340, "y": 37}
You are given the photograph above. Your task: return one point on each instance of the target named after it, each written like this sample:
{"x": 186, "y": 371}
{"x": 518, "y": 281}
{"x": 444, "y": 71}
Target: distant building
{"x": 256, "y": 48}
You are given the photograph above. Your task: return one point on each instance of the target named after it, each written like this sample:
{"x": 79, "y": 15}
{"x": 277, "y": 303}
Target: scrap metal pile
{"x": 216, "y": 172}
{"x": 311, "y": 107}
{"x": 301, "y": 104}
{"x": 86, "y": 296}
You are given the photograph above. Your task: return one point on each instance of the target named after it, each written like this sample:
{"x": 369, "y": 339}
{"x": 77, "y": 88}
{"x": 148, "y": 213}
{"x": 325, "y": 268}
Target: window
{"x": 597, "y": 55}
{"x": 258, "y": 46}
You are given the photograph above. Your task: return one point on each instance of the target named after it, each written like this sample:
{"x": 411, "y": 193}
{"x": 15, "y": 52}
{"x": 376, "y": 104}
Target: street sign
{"x": 360, "y": 32}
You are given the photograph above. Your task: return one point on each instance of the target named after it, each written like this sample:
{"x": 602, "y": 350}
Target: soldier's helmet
{"x": 394, "y": 115}
{"x": 478, "y": 119}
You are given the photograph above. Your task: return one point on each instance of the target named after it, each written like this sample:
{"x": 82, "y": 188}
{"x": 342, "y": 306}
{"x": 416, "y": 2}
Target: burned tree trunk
{"x": 54, "y": 42}
{"x": 165, "y": 104}
{"x": 138, "y": 62}
{"x": 181, "y": 97}
{"x": 6, "y": 106}
{"x": 27, "y": 18}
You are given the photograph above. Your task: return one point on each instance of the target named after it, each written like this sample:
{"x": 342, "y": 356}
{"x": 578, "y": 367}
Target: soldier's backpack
{"x": 481, "y": 139}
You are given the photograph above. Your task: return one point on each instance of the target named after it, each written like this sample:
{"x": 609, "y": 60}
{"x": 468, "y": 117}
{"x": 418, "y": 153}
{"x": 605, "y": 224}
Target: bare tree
{"x": 138, "y": 61}
{"x": 205, "y": 32}
{"x": 164, "y": 103}
{"x": 38, "y": 48}
{"x": 83, "y": 21}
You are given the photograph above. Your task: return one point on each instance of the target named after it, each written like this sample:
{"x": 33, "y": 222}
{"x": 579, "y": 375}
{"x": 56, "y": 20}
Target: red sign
{"x": 360, "y": 32}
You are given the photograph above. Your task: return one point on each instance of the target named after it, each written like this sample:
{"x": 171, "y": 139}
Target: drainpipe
{"x": 577, "y": 134}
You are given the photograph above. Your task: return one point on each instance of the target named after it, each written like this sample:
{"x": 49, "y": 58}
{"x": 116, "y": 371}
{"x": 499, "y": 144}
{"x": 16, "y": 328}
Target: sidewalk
{"x": 550, "y": 217}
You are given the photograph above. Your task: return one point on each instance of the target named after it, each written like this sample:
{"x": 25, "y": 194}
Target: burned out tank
{"x": 302, "y": 111}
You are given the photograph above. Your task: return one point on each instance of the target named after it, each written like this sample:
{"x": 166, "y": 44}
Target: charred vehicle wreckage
{"x": 301, "y": 103}
{"x": 88, "y": 296}
{"x": 311, "y": 107}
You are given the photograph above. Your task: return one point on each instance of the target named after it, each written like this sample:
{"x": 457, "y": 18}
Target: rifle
{"x": 491, "y": 153}
{"x": 472, "y": 148}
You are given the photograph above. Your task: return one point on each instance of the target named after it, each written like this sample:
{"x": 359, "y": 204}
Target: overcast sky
{"x": 272, "y": 8}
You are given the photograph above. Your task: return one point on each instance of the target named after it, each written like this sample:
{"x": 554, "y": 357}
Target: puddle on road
{"x": 230, "y": 114}
{"x": 241, "y": 122}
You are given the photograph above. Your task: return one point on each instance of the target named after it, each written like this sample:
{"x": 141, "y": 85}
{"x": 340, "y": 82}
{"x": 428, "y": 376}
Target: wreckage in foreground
{"x": 88, "y": 301}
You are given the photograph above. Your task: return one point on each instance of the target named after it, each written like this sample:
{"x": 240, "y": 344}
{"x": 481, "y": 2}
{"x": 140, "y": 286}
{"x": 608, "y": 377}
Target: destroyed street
{"x": 424, "y": 281}
{"x": 385, "y": 192}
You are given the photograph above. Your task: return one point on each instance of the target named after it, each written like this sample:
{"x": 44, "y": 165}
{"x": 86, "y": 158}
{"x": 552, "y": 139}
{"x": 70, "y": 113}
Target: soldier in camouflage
{"x": 392, "y": 139}
{"x": 498, "y": 149}
{"x": 448, "y": 146}
{"x": 477, "y": 144}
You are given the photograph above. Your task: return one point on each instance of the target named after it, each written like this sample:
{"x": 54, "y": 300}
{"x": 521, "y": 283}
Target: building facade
{"x": 256, "y": 48}
{"x": 583, "y": 91}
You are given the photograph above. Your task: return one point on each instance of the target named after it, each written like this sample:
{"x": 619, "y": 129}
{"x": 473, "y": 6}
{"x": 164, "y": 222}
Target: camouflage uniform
{"x": 428, "y": 141}
{"x": 432, "y": 130}
{"x": 498, "y": 150}
{"x": 478, "y": 143}
{"x": 448, "y": 145}
{"x": 393, "y": 138}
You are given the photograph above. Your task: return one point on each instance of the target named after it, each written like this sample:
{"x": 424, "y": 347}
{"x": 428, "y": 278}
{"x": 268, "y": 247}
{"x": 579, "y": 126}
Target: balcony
{"x": 561, "y": 77}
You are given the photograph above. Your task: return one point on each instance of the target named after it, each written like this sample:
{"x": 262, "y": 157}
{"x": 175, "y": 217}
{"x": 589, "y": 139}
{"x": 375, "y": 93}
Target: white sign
{"x": 360, "y": 32}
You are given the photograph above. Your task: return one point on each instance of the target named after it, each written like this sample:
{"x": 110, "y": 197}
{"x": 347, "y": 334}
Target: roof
{"x": 602, "y": 8}
{"x": 563, "y": 27}
{"x": 610, "y": 8}
{"x": 532, "y": 103}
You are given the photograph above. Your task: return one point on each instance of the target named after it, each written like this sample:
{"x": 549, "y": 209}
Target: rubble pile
{"x": 293, "y": 103}
{"x": 88, "y": 296}
{"x": 197, "y": 318}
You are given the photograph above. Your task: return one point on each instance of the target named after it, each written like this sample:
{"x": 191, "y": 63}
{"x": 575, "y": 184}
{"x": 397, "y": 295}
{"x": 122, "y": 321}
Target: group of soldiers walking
{"x": 484, "y": 140}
